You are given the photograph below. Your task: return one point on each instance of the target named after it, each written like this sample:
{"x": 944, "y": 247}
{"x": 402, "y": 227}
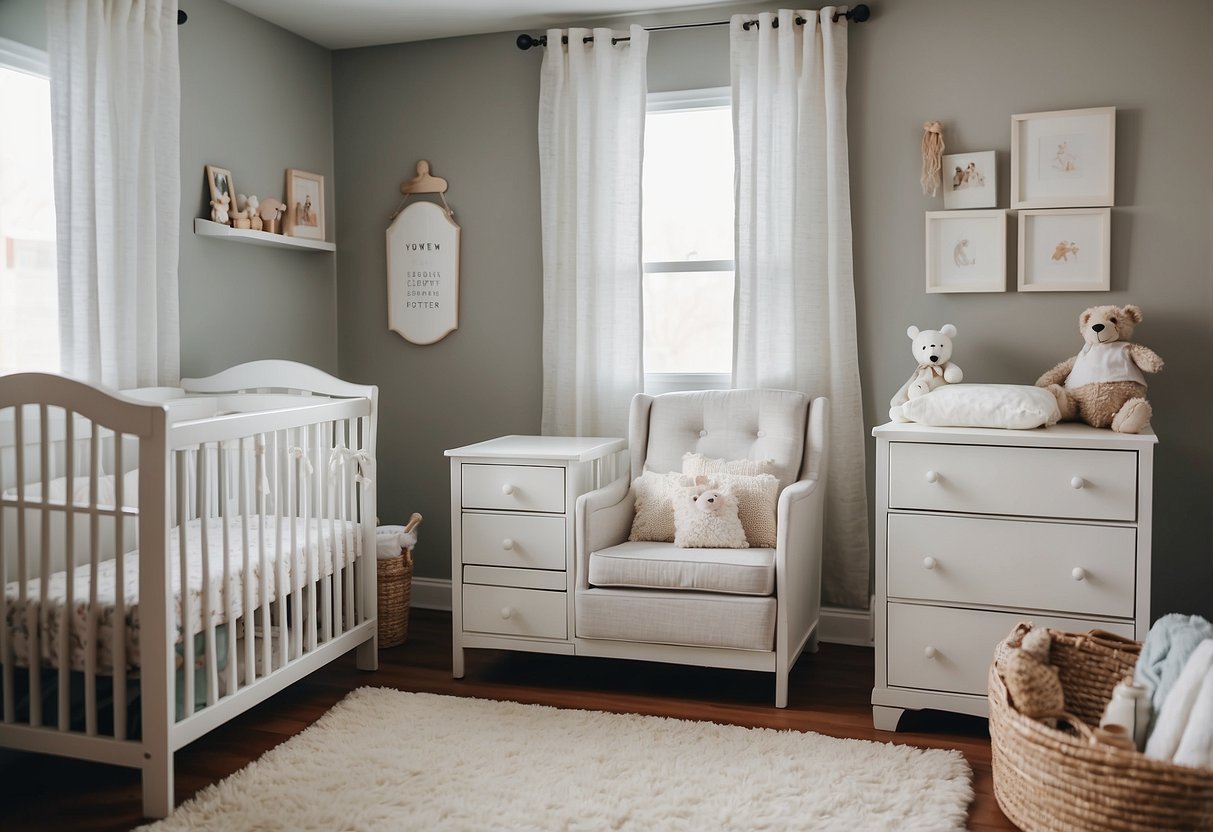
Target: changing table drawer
{"x": 527, "y": 541}
{"x": 950, "y": 650}
{"x": 511, "y": 611}
{"x": 1083, "y": 569}
{"x": 513, "y": 487}
{"x": 1038, "y": 482}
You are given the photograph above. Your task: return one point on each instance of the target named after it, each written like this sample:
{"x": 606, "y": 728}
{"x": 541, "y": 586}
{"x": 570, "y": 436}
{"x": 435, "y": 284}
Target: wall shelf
{"x": 206, "y": 228}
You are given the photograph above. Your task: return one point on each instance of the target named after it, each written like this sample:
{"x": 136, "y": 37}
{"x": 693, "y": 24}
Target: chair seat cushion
{"x": 689, "y": 619}
{"x": 645, "y": 565}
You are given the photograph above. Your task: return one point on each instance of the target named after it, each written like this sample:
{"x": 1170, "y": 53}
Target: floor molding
{"x": 839, "y": 625}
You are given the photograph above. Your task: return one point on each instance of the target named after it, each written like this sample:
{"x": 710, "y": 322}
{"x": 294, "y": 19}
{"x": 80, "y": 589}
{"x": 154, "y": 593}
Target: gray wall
{"x": 256, "y": 100}
{"x": 469, "y": 106}
{"x": 24, "y": 21}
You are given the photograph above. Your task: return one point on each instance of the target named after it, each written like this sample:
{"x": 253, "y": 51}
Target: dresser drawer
{"x": 513, "y": 487}
{"x": 525, "y": 541}
{"x": 1039, "y": 482}
{"x": 510, "y": 611}
{"x": 950, "y": 650}
{"x": 1013, "y": 563}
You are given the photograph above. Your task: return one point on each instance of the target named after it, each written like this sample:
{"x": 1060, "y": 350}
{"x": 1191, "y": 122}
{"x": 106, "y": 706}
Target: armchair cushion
{"x": 694, "y": 619}
{"x": 644, "y": 565}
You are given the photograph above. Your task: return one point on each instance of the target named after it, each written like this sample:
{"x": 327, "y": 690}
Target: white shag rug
{"x": 384, "y": 759}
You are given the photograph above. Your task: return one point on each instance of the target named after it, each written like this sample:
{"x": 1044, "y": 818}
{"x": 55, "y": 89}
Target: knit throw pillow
{"x": 695, "y": 464}
{"x": 655, "y": 492}
{"x": 757, "y": 497}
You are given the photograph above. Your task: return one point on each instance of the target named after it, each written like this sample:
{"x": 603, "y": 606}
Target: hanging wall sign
{"x": 423, "y": 265}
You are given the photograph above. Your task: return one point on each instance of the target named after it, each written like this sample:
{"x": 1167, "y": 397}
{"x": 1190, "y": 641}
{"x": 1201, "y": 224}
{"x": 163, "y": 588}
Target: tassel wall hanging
{"x": 932, "y": 156}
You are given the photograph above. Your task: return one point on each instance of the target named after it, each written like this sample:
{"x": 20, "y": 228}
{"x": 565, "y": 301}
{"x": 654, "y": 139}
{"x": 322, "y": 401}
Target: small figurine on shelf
{"x": 271, "y": 210}
{"x": 219, "y": 206}
{"x": 240, "y": 217}
{"x": 253, "y": 206}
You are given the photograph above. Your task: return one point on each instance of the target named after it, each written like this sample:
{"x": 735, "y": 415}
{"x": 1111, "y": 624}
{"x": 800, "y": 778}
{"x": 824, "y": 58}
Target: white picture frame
{"x": 1065, "y": 250}
{"x": 304, "y": 205}
{"x": 966, "y": 251}
{"x": 1063, "y": 159}
{"x": 969, "y": 180}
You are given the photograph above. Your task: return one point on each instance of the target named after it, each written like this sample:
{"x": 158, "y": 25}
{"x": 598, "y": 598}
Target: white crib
{"x": 173, "y": 556}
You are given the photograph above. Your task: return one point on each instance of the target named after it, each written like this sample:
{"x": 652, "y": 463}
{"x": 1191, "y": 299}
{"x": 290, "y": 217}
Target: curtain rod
{"x": 856, "y": 15}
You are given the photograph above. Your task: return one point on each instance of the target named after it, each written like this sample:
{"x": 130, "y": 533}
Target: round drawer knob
{"x": 1077, "y": 483}
{"x": 508, "y": 543}
{"x": 930, "y": 652}
{"x": 507, "y": 489}
{"x": 1078, "y": 573}
{"x": 929, "y": 562}
{"x": 931, "y": 476}
{"x": 506, "y": 612}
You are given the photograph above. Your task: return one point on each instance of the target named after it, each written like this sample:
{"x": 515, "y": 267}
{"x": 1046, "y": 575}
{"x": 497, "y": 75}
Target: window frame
{"x": 708, "y": 98}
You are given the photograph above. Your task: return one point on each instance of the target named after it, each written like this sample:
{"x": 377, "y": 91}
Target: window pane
{"x": 688, "y": 185}
{"x": 688, "y": 322}
{"x": 29, "y": 302}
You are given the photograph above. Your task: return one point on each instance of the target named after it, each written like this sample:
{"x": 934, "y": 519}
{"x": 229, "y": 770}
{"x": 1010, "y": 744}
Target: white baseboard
{"x": 839, "y": 625}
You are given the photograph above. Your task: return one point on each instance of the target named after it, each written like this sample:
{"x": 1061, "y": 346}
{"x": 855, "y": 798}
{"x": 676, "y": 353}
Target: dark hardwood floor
{"x": 829, "y": 694}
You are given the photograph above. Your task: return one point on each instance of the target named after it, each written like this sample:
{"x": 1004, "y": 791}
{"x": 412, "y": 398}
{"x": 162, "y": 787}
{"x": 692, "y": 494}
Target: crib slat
{"x": 36, "y": 615}
{"x": 209, "y": 659}
{"x": 184, "y": 627}
{"x": 264, "y": 583}
{"x": 326, "y": 550}
{"x": 279, "y": 559}
{"x": 336, "y": 470}
{"x": 292, "y": 555}
{"x": 90, "y": 625}
{"x": 308, "y": 492}
{"x": 69, "y": 535}
{"x": 246, "y": 575}
{"x": 347, "y": 496}
{"x": 118, "y": 631}
{"x": 6, "y": 648}
{"x": 229, "y": 616}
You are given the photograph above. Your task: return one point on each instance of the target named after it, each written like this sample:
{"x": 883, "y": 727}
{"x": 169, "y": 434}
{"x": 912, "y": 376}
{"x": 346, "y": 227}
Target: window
{"x": 688, "y": 241}
{"x": 29, "y": 299}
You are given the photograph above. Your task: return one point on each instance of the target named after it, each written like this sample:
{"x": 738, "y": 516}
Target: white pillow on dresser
{"x": 1013, "y": 406}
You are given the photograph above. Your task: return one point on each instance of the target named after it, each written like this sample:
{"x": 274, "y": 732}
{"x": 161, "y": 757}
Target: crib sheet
{"x": 326, "y": 544}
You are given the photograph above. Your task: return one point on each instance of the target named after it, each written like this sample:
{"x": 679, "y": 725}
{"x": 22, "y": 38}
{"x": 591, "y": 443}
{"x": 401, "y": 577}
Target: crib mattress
{"x": 325, "y": 545}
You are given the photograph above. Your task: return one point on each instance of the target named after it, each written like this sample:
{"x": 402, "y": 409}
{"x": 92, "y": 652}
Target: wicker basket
{"x": 395, "y": 584}
{"x": 1061, "y": 781}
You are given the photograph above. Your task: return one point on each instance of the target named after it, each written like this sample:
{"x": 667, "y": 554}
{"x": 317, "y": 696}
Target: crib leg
{"x": 158, "y": 786}
{"x": 368, "y": 654}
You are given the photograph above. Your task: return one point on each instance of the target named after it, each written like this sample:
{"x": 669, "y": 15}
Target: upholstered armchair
{"x": 752, "y": 609}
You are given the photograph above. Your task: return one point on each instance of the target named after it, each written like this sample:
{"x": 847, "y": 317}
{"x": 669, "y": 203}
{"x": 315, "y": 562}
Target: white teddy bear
{"x": 932, "y": 349}
{"x": 707, "y": 518}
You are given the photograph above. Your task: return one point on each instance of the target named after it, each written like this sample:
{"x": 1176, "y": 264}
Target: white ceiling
{"x": 341, "y": 24}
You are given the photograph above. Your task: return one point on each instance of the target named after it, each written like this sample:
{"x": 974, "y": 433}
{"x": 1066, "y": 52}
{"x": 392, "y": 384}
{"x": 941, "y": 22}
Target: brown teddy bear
{"x": 1103, "y": 385}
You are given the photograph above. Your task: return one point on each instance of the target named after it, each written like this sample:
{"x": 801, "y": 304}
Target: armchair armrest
{"x": 799, "y": 522}
{"x": 602, "y": 518}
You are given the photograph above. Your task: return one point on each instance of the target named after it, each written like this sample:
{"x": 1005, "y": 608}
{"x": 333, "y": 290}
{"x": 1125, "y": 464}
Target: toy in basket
{"x": 1052, "y": 771}
{"x": 394, "y": 564}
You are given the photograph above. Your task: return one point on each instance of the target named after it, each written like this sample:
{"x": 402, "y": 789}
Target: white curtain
{"x": 591, "y": 141}
{"x": 115, "y": 111}
{"x": 795, "y": 321}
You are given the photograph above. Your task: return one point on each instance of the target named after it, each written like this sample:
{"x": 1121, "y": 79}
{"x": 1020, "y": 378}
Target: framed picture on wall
{"x": 1065, "y": 250}
{"x": 966, "y": 251}
{"x": 969, "y": 180}
{"x": 304, "y": 205}
{"x": 220, "y": 182}
{"x": 1063, "y": 159}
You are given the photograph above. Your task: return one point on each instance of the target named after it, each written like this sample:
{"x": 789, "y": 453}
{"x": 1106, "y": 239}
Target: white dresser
{"x": 512, "y": 502}
{"x": 977, "y": 529}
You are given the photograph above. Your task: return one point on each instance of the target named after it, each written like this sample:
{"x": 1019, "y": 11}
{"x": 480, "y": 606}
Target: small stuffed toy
{"x": 707, "y": 518}
{"x": 1104, "y": 384}
{"x": 219, "y": 209}
{"x": 1033, "y": 683}
{"x": 932, "y": 349}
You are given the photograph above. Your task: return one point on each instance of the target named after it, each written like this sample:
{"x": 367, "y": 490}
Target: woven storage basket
{"x": 1061, "y": 781}
{"x": 395, "y": 584}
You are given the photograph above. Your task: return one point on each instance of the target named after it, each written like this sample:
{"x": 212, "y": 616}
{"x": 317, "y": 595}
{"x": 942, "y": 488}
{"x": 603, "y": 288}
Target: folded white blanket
{"x": 1178, "y": 714}
{"x": 1196, "y": 745}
